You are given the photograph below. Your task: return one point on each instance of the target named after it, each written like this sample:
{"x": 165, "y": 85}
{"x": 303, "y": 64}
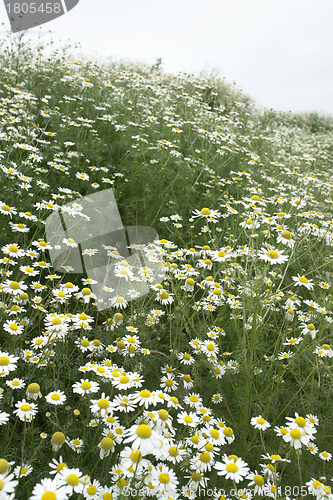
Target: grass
{"x": 231, "y": 333}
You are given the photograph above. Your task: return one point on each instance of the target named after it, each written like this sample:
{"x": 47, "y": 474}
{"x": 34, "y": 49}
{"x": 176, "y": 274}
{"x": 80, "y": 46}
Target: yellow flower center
{"x": 14, "y": 285}
{"x": 173, "y": 451}
{"x": 295, "y": 434}
{"x": 25, "y": 407}
{"x": 144, "y": 431}
{"x": 136, "y": 456}
{"x": 55, "y": 397}
{"x": 227, "y": 431}
{"x": 231, "y": 468}
{"x": 86, "y": 385}
{"x": 303, "y": 280}
{"x": 103, "y": 404}
{"x": 163, "y": 414}
{"x": 259, "y": 480}
{"x": 58, "y": 438}
{"x": 188, "y": 419}
{"x": 260, "y": 421}
{"x": 124, "y": 380}
{"x": 204, "y": 457}
{"x": 164, "y": 478}
{"x": 300, "y": 421}
{"x": 91, "y": 490}
{"x": 61, "y": 466}
{"x": 272, "y": 254}
{"x": 205, "y": 211}
{"x": 107, "y": 443}
{"x": 72, "y": 480}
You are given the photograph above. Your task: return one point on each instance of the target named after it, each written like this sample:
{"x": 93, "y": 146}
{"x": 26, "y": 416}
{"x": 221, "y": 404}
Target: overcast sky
{"x": 280, "y": 52}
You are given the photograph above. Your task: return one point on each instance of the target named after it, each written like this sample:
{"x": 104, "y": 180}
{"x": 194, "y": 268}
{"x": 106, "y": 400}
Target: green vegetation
{"x": 221, "y": 375}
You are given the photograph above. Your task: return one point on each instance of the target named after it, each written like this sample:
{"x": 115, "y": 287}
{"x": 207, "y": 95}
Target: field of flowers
{"x": 215, "y": 384}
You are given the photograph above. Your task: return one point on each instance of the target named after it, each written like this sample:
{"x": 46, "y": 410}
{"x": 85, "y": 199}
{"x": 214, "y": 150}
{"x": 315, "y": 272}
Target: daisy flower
{"x": 7, "y": 363}
{"x": 70, "y": 480}
{"x": 143, "y": 438}
{"x": 25, "y": 411}
{"x": 296, "y": 438}
{"x": 7, "y": 210}
{"x": 273, "y": 256}
{"x": 48, "y": 488}
{"x": 286, "y": 238}
{"x": 144, "y": 398}
{"x": 274, "y": 458}
{"x": 4, "y": 417}
{"x": 260, "y": 423}
{"x": 20, "y": 227}
{"x": 42, "y": 245}
{"x": 315, "y": 487}
{"x": 164, "y": 297}
{"x": 101, "y": 406}
{"x": 302, "y": 281}
{"x": 258, "y": 482}
{"x": 164, "y": 479}
{"x": 13, "y": 250}
{"x": 232, "y": 468}
{"x": 193, "y": 400}
{"x": 133, "y": 458}
{"x": 189, "y": 419}
{"x": 324, "y": 455}
{"x": 22, "y": 471}
{"x": 57, "y": 465}
{"x": 8, "y": 485}
{"x": 13, "y": 328}
{"x": 16, "y": 383}
{"x": 313, "y": 449}
{"x": 75, "y": 444}
{"x": 206, "y": 213}
{"x": 118, "y": 302}
{"x": 85, "y": 387}
{"x": 168, "y": 383}
{"x": 56, "y": 398}
{"x": 202, "y": 461}
{"x": 92, "y": 490}
{"x": 221, "y": 255}
{"x": 14, "y": 287}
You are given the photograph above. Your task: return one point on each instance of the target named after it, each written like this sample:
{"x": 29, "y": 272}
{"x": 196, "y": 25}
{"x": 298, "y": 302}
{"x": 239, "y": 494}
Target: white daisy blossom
{"x": 143, "y": 438}
{"x": 56, "y": 398}
{"x": 48, "y": 488}
{"x": 302, "y": 281}
{"x": 285, "y": 237}
{"x": 85, "y": 387}
{"x": 235, "y": 470}
{"x": 324, "y": 455}
{"x": 8, "y": 485}
{"x": 70, "y": 480}
{"x": 25, "y": 411}
{"x": 164, "y": 480}
{"x": 7, "y": 363}
{"x": 260, "y": 423}
{"x": 296, "y": 438}
{"x": 273, "y": 256}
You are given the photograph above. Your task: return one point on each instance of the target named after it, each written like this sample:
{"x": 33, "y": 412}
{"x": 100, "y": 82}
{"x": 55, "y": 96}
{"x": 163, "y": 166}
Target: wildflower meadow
{"x": 217, "y": 382}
